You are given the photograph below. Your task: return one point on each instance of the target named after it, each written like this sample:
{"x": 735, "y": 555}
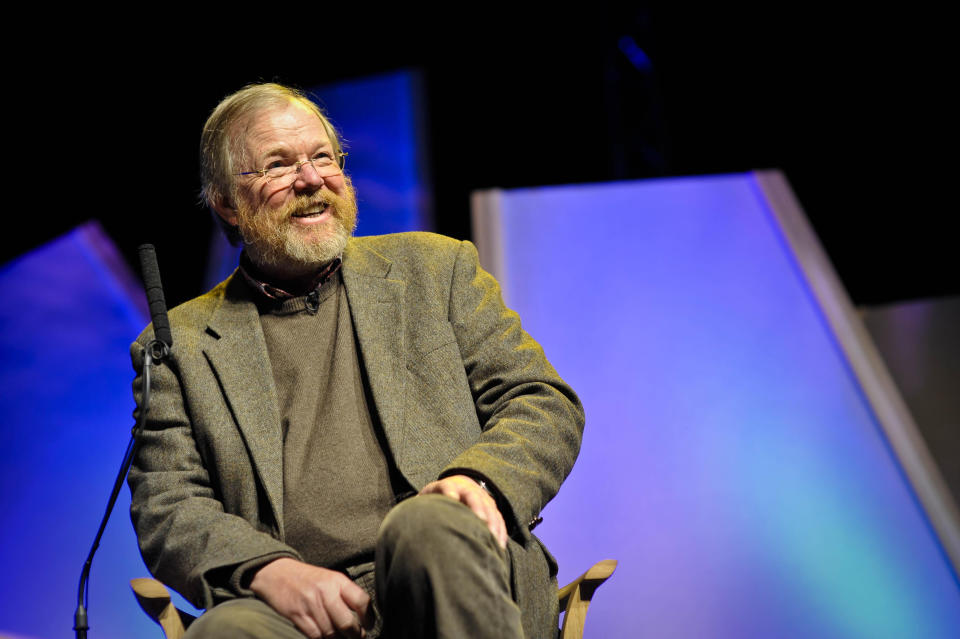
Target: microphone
{"x": 154, "y": 289}
{"x": 156, "y": 350}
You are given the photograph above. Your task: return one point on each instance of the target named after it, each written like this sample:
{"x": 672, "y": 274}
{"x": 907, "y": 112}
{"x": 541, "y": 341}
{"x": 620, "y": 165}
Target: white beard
{"x": 280, "y": 246}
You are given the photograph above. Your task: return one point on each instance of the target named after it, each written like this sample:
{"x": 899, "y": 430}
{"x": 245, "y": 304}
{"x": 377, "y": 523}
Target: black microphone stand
{"x": 155, "y": 352}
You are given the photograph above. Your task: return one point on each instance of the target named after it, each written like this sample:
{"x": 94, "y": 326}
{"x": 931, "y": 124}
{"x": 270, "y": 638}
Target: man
{"x": 353, "y": 435}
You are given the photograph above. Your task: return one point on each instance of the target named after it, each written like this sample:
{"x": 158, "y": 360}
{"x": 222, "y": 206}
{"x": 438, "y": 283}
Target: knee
{"x": 239, "y": 618}
{"x": 428, "y": 522}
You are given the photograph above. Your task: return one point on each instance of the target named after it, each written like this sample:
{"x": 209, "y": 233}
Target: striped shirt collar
{"x": 255, "y": 278}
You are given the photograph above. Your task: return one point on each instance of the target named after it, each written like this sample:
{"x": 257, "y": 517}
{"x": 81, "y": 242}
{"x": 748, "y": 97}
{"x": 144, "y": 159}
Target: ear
{"x": 225, "y": 209}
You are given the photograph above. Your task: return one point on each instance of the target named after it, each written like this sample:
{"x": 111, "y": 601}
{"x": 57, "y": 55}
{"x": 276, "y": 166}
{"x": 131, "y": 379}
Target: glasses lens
{"x": 324, "y": 166}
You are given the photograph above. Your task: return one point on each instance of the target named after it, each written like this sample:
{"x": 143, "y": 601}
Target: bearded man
{"x": 353, "y": 436}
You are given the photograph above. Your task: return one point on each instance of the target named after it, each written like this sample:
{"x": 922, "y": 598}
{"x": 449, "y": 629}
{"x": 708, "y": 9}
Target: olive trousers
{"x": 438, "y": 573}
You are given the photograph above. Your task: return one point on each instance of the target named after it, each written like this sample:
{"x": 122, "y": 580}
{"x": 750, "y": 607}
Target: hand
{"x": 319, "y": 602}
{"x": 468, "y": 492}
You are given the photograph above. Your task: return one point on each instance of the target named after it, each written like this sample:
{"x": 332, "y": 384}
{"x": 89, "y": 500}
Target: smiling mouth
{"x": 315, "y": 211}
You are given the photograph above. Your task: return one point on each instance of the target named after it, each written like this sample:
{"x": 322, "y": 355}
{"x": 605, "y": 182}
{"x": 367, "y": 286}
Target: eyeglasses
{"x": 323, "y": 164}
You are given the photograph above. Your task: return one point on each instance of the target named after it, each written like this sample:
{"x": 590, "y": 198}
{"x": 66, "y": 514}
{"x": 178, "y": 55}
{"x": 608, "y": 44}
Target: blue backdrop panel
{"x": 70, "y": 310}
{"x": 380, "y": 120}
{"x": 730, "y": 460}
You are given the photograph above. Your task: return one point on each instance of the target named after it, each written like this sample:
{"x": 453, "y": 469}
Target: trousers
{"x": 439, "y": 572}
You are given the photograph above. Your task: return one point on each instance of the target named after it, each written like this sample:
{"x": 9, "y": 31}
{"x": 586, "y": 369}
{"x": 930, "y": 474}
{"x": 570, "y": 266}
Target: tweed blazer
{"x": 456, "y": 383}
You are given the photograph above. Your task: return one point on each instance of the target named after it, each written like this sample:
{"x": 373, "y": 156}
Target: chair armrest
{"x": 154, "y": 598}
{"x": 575, "y": 597}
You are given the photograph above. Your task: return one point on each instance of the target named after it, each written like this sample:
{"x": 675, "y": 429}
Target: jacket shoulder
{"x": 427, "y": 263}
{"x": 412, "y": 249}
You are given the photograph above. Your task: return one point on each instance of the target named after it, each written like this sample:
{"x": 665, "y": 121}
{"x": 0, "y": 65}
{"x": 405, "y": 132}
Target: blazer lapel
{"x": 375, "y": 293}
{"x": 237, "y": 352}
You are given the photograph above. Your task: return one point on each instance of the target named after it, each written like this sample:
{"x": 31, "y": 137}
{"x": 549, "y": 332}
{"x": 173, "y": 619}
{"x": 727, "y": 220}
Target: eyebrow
{"x": 283, "y": 151}
{"x": 277, "y": 150}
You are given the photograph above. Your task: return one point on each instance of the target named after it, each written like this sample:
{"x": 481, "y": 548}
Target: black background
{"x": 105, "y": 114}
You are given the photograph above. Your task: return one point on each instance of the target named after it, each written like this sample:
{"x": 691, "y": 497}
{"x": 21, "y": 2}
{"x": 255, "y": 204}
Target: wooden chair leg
{"x": 575, "y": 597}
{"x": 154, "y": 598}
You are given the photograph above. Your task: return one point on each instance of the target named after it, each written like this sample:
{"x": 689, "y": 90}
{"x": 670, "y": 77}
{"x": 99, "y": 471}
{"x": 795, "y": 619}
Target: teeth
{"x": 312, "y": 212}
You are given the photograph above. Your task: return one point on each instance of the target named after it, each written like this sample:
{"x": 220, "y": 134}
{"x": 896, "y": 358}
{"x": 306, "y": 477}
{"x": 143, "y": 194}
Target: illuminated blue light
{"x": 637, "y": 56}
{"x": 730, "y": 461}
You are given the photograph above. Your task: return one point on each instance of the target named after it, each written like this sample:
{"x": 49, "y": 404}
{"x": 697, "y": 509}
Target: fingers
{"x": 479, "y": 504}
{"x": 328, "y": 615}
{"x": 484, "y": 507}
{"x": 442, "y": 487}
{"x": 344, "y": 620}
{"x": 358, "y": 601}
{"x": 346, "y": 605}
{"x": 313, "y": 623}
{"x": 468, "y": 492}
{"x": 499, "y": 528}
{"x": 319, "y": 602}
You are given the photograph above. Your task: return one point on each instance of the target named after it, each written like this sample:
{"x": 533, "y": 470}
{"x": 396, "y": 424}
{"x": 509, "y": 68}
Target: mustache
{"x": 305, "y": 202}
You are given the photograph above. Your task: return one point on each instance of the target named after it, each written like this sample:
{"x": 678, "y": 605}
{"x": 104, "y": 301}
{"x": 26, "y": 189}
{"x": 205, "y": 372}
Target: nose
{"x": 308, "y": 178}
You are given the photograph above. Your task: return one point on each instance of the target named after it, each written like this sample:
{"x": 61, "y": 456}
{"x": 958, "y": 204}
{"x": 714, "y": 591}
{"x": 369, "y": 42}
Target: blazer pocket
{"x": 429, "y": 339}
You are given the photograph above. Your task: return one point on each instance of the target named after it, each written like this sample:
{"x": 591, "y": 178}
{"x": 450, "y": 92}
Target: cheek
{"x": 336, "y": 184}
{"x": 270, "y": 198}
{"x": 276, "y": 200}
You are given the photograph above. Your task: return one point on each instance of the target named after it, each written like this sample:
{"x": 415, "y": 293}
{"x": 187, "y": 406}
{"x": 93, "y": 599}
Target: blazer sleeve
{"x": 186, "y": 538}
{"x": 531, "y": 420}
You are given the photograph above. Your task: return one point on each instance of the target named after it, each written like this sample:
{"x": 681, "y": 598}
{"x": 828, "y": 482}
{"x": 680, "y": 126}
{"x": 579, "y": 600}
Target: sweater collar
{"x": 257, "y": 280}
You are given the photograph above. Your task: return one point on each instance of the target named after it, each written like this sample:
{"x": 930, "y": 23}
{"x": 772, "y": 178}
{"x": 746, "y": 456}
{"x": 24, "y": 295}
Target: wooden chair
{"x": 574, "y": 598}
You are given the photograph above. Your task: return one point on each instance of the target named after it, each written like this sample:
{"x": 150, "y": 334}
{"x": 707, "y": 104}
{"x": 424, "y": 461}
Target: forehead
{"x": 288, "y": 128}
